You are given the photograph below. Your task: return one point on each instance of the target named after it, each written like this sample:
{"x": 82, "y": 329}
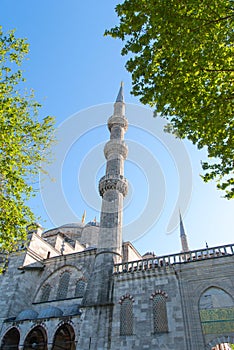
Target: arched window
{"x": 64, "y": 338}
{"x": 216, "y": 304}
{"x": 45, "y": 293}
{"x": 159, "y": 307}
{"x": 126, "y": 315}
{"x": 80, "y": 288}
{"x": 63, "y": 285}
{"x": 36, "y": 339}
{"x": 11, "y": 340}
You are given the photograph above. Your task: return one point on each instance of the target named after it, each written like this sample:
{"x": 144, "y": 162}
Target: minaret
{"x": 113, "y": 188}
{"x": 183, "y": 237}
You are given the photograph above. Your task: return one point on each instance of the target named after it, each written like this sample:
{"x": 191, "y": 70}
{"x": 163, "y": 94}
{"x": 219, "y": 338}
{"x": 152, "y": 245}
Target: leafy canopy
{"x": 181, "y": 61}
{"x": 24, "y": 141}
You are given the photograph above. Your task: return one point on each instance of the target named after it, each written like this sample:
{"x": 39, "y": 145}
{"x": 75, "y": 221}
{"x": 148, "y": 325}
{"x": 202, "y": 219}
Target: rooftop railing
{"x": 172, "y": 259}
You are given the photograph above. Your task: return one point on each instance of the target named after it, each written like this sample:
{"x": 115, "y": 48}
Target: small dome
{"x": 49, "y": 312}
{"x": 93, "y": 223}
{"x": 149, "y": 255}
{"x": 72, "y": 310}
{"x": 28, "y": 314}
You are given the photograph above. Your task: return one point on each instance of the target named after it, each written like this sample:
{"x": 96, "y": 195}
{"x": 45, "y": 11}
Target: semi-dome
{"x": 27, "y": 314}
{"x": 49, "y": 312}
{"x": 74, "y": 226}
{"x": 72, "y": 310}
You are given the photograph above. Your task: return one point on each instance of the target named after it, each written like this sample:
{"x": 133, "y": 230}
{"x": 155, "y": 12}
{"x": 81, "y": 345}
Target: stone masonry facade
{"x": 79, "y": 286}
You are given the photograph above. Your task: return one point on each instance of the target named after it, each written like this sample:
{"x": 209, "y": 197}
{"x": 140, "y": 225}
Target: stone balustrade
{"x": 172, "y": 259}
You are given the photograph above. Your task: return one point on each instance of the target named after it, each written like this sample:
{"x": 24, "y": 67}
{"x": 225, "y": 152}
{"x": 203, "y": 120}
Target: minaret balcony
{"x": 117, "y": 120}
{"x": 113, "y": 182}
{"x": 114, "y": 148}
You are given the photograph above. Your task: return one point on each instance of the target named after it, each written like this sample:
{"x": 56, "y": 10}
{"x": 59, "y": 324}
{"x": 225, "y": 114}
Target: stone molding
{"x": 118, "y": 120}
{"x": 110, "y": 182}
{"x": 115, "y": 148}
{"x": 126, "y": 296}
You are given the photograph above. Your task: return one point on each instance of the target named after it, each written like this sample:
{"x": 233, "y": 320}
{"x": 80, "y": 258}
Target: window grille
{"x": 80, "y": 288}
{"x": 160, "y": 313}
{"x": 45, "y": 293}
{"x": 126, "y": 317}
{"x": 63, "y": 285}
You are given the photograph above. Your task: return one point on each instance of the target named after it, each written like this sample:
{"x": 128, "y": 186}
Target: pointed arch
{"x": 53, "y": 278}
{"x": 159, "y": 311}
{"x": 80, "y": 288}
{"x": 126, "y": 314}
{"x": 11, "y": 340}
{"x": 216, "y": 308}
{"x": 63, "y": 285}
{"x": 46, "y": 289}
{"x": 224, "y": 340}
{"x": 64, "y": 338}
{"x": 214, "y": 297}
{"x": 36, "y": 339}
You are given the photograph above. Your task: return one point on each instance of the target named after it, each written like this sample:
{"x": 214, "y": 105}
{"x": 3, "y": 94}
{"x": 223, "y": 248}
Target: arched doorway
{"x": 11, "y": 340}
{"x": 64, "y": 338}
{"x": 36, "y": 339}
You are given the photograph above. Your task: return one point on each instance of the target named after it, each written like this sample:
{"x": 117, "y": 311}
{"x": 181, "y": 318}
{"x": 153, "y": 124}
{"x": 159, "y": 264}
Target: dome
{"x": 49, "y": 312}
{"x": 28, "y": 314}
{"x": 148, "y": 255}
{"x": 72, "y": 310}
{"x": 72, "y": 225}
{"x": 75, "y": 226}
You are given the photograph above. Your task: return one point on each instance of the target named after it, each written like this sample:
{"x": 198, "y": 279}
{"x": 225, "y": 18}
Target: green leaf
{"x": 181, "y": 61}
{"x": 24, "y": 144}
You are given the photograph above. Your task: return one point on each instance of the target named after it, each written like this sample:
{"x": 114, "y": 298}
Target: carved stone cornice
{"x": 111, "y": 182}
{"x": 118, "y": 120}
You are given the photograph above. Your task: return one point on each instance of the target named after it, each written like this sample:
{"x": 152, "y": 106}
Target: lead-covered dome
{"x": 27, "y": 314}
{"x": 72, "y": 310}
{"x": 49, "y": 312}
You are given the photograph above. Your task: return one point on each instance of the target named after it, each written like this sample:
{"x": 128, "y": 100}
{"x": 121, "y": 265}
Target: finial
{"x": 62, "y": 247}
{"x": 182, "y": 230}
{"x": 120, "y": 97}
{"x": 83, "y": 217}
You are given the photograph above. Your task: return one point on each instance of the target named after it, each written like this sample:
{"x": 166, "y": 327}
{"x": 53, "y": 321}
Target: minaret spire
{"x": 120, "y": 97}
{"x": 183, "y": 237}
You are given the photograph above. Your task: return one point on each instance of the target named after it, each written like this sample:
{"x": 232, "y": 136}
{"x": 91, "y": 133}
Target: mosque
{"x": 79, "y": 286}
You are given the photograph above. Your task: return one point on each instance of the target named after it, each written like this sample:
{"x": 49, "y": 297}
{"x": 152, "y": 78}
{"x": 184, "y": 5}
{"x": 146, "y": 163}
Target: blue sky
{"x": 76, "y": 72}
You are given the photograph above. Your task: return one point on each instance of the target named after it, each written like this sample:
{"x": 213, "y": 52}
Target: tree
{"x": 24, "y": 142}
{"x": 181, "y": 62}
